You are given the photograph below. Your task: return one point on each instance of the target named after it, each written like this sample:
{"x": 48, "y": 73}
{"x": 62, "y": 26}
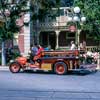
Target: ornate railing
{"x": 93, "y": 48}
{"x": 51, "y": 26}
{"x": 59, "y": 23}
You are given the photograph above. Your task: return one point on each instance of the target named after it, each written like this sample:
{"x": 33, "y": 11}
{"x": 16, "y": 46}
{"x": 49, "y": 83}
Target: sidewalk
{"x": 4, "y": 68}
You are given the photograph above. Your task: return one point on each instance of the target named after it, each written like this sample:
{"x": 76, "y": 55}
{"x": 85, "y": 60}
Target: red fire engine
{"x": 60, "y": 62}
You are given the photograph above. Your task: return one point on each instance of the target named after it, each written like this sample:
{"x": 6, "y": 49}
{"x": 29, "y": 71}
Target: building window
{"x": 65, "y": 38}
{"x": 90, "y": 41}
{"x": 70, "y": 37}
{"x": 62, "y": 39}
{"x": 61, "y": 12}
{"x": 12, "y": 1}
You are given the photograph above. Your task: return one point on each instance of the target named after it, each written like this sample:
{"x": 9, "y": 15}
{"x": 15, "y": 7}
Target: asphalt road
{"x": 48, "y": 86}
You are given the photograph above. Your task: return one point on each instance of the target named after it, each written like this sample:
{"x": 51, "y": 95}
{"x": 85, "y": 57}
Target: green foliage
{"x": 10, "y": 27}
{"x": 91, "y": 9}
{"x": 43, "y": 8}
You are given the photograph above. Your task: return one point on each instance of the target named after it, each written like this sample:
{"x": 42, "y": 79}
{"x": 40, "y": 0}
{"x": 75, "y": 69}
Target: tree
{"x": 10, "y": 12}
{"x": 91, "y": 9}
{"x": 43, "y": 8}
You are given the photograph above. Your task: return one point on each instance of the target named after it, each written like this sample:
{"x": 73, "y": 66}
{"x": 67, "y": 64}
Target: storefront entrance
{"x": 48, "y": 39}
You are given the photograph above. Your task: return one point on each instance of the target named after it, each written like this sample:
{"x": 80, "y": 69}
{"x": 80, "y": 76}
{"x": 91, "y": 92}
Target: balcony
{"x": 60, "y": 23}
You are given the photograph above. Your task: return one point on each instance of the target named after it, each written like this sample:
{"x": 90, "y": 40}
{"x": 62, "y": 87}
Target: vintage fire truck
{"x": 59, "y": 62}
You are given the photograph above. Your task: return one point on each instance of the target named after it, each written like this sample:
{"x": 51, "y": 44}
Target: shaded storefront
{"x": 47, "y": 39}
{"x": 50, "y": 39}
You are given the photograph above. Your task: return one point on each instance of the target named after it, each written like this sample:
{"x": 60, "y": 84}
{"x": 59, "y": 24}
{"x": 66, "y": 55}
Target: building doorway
{"x": 65, "y": 37}
{"x": 48, "y": 39}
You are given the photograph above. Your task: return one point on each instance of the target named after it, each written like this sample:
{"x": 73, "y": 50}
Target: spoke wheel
{"x": 60, "y": 68}
{"x": 14, "y": 67}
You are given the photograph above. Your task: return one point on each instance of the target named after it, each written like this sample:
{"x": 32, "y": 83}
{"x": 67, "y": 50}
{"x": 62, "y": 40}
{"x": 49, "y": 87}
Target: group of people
{"x": 81, "y": 47}
{"x": 35, "y": 50}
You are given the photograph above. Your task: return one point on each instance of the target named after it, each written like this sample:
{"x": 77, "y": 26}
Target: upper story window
{"x": 67, "y": 3}
{"x": 61, "y": 12}
{"x": 68, "y": 12}
{"x": 13, "y": 1}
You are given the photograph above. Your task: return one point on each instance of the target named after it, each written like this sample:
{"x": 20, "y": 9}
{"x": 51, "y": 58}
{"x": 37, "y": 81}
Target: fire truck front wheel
{"x": 14, "y": 67}
{"x": 60, "y": 68}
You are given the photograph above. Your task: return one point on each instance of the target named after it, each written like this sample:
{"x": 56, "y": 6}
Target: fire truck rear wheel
{"x": 14, "y": 67}
{"x": 60, "y": 68}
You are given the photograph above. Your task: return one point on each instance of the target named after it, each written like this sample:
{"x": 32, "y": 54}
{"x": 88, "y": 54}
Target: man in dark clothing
{"x": 34, "y": 50}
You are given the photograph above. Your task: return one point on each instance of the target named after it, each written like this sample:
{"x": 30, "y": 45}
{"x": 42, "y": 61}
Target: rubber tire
{"x": 60, "y": 71}
{"x": 14, "y": 67}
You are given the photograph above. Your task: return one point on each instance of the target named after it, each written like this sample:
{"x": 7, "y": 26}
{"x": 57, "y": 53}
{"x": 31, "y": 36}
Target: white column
{"x": 26, "y": 39}
{"x": 27, "y": 34}
{"x": 57, "y": 40}
{"x": 98, "y": 61}
{"x": 3, "y": 54}
{"x": 78, "y": 38}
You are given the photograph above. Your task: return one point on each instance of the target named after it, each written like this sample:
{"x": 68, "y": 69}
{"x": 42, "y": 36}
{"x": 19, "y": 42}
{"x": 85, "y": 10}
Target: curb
{"x": 5, "y": 68}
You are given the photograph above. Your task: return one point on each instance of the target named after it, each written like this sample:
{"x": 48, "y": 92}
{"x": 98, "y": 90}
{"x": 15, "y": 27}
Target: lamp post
{"x": 2, "y": 21}
{"x": 78, "y": 18}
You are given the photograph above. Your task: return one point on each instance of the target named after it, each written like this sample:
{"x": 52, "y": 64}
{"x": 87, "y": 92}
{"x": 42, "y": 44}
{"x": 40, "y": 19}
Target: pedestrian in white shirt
{"x": 73, "y": 46}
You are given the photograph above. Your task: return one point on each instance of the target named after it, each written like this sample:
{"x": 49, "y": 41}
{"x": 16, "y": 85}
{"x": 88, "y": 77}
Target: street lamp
{"x": 77, "y": 10}
{"x": 78, "y": 19}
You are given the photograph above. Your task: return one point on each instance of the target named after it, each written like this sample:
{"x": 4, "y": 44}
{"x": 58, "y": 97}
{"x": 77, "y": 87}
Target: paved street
{"x": 48, "y": 86}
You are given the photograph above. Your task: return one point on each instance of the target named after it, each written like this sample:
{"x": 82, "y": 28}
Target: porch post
{"x": 78, "y": 38}
{"x": 38, "y": 33}
{"x": 57, "y": 41}
{"x": 98, "y": 61}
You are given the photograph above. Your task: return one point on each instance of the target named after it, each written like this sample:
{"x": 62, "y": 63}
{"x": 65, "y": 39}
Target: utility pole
{"x": 3, "y": 61}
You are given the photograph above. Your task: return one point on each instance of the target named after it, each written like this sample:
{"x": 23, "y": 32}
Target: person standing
{"x": 84, "y": 45}
{"x": 33, "y": 52}
{"x": 73, "y": 46}
{"x": 40, "y": 48}
{"x": 81, "y": 46}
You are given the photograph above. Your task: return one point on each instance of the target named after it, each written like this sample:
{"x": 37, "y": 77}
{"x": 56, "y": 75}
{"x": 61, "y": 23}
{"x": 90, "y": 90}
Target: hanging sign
{"x": 72, "y": 28}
